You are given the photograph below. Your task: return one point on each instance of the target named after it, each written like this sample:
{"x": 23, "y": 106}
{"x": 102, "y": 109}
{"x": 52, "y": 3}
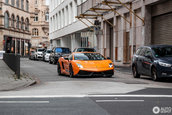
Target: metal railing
{"x": 13, "y": 61}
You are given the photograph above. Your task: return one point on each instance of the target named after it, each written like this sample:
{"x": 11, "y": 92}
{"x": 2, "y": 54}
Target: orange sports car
{"x": 85, "y": 64}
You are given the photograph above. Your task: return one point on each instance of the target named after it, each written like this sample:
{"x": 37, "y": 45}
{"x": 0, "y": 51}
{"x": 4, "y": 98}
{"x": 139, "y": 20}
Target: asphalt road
{"x": 114, "y": 105}
{"x": 61, "y": 95}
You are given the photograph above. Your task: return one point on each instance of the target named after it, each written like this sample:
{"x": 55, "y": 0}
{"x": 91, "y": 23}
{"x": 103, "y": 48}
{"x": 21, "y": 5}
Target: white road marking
{"x": 100, "y": 101}
{"x": 81, "y": 96}
{"x": 22, "y": 102}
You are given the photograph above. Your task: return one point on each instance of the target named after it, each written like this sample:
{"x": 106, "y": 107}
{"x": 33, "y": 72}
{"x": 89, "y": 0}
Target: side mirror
{"x": 108, "y": 58}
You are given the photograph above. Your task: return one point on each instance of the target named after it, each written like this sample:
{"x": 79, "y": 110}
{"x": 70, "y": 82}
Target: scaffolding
{"x": 100, "y": 7}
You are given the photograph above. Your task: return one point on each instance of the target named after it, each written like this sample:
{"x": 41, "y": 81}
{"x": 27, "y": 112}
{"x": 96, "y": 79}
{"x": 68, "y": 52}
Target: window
{"x": 36, "y": 2}
{"x": 138, "y": 51}
{"x": 6, "y": 1}
{"x": 12, "y": 21}
{"x": 142, "y": 52}
{"x": 27, "y": 24}
{"x": 62, "y": 50}
{"x": 17, "y": 3}
{"x": 47, "y": 17}
{"x": 148, "y": 53}
{"x": 162, "y": 51}
{"x": 17, "y": 23}
{"x": 71, "y": 57}
{"x": 13, "y": 2}
{"x": 88, "y": 56}
{"x": 6, "y": 21}
{"x": 22, "y": 23}
{"x": 36, "y": 18}
{"x": 22, "y": 4}
{"x": 27, "y": 5}
{"x": 35, "y": 32}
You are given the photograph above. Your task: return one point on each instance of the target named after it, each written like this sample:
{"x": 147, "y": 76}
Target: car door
{"x": 140, "y": 60}
{"x": 147, "y": 61}
{"x": 65, "y": 63}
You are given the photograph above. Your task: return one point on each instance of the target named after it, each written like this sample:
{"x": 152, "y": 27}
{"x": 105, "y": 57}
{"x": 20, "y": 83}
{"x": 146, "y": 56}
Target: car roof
{"x": 156, "y": 46}
{"x": 61, "y": 47}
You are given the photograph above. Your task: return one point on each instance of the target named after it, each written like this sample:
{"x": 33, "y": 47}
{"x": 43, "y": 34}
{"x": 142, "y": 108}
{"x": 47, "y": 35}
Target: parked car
{"x": 39, "y": 53}
{"x": 1, "y": 54}
{"x": 154, "y": 61}
{"x": 85, "y": 64}
{"x": 84, "y": 50}
{"x": 32, "y": 55}
{"x": 46, "y": 55}
{"x": 56, "y": 53}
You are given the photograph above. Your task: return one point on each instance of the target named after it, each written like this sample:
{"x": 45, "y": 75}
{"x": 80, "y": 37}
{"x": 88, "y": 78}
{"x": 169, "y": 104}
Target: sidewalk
{"x": 124, "y": 69}
{"x": 8, "y": 80}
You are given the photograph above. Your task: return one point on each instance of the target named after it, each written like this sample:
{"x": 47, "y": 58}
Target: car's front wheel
{"x": 50, "y": 61}
{"x": 135, "y": 72}
{"x": 154, "y": 74}
{"x": 71, "y": 71}
{"x": 59, "y": 69}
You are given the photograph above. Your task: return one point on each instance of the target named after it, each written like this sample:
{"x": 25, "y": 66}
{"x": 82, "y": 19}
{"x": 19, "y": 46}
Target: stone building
{"x": 65, "y": 29}
{"x": 126, "y": 25}
{"x": 14, "y": 26}
{"x": 39, "y": 20}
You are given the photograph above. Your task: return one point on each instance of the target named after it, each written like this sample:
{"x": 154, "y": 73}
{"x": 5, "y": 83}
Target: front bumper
{"x": 89, "y": 73}
{"x": 165, "y": 72}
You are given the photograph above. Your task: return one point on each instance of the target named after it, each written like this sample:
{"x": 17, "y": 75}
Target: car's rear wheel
{"x": 71, "y": 71}
{"x": 135, "y": 72}
{"x": 59, "y": 69}
{"x": 154, "y": 74}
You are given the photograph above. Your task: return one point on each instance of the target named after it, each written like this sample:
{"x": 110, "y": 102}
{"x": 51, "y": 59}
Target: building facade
{"x": 15, "y": 26}
{"x": 39, "y": 19}
{"x": 65, "y": 29}
{"x": 128, "y": 24}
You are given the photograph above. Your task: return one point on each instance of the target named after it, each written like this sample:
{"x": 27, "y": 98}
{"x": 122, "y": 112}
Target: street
{"x": 62, "y": 95}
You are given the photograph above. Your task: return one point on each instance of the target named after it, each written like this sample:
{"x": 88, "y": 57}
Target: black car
{"x": 154, "y": 61}
{"x": 84, "y": 50}
{"x": 56, "y": 53}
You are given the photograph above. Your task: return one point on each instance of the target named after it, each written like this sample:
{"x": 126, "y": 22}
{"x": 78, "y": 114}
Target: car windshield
{"x": 48, "y": 51}
{"x": 162, "y": 51}
{"x": 88, "y": 56}
{"x": 86, "y": 50}
{"x": 62, "y": 50}
{"x": 40, "y": 50}
{"x": 32, "y": 52}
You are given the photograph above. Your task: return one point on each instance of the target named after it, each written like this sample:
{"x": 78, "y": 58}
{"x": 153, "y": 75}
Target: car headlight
{"x": 79, "y": 65}
{"x": 110, "y": 65}
{"x": 164, "y": 64}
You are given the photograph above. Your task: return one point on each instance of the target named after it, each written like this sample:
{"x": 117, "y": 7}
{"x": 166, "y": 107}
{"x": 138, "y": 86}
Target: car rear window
{"x": 138, "y": 51}
{"x": 62, "y": 50}
{"x": 48, "y": 51}
{"x": 142, "y": 51}
{"x": 40, "y": 50}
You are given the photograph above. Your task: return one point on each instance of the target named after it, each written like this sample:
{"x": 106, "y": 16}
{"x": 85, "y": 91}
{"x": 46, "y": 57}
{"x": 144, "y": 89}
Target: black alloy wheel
{"x": 71, "y": 71}
{"x": 154, "y": 74}
{"x": 135, "y": 72}
{"x": 50, "y": 61}
{"x": 59, "y": 69}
